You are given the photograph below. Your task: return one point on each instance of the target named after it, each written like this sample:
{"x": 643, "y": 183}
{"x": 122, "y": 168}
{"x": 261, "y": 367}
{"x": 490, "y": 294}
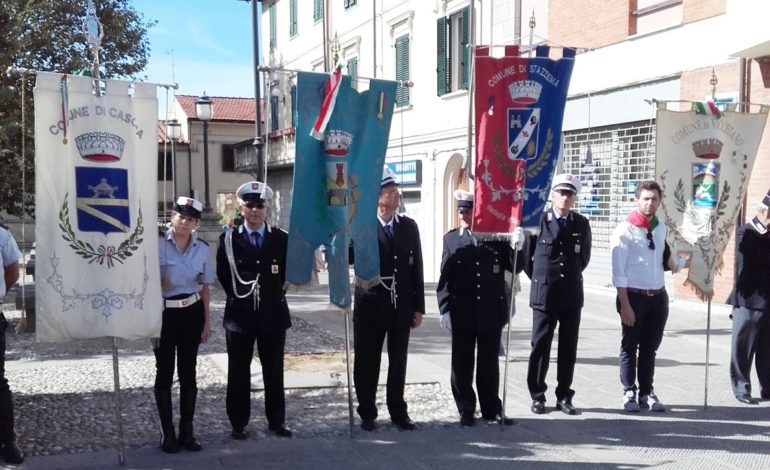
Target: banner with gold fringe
{"x": 704, "y": 159}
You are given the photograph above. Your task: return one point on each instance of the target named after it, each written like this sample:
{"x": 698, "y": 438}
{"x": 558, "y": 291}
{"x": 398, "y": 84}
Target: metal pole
{"x": 708, "y": 341}
{"x": 173, "y": 168}
{"x": 118, "y": 402}
{"x": 207, "y": 206}
{"x": 261, "y": 173}
{"x": 511, "y": 313}
{"x": 347, "y": 364}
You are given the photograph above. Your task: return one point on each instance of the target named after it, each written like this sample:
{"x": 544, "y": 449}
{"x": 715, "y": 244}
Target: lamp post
{"x": 174, "y": 131}
{"x": 204, "y": 108}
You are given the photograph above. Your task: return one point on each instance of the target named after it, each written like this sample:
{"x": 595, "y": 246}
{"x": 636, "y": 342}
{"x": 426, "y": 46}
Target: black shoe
{"x": 538, "y": 407}
{"x": 765, "y": 395}
{"x": 405, "y": 423}
{"x": 11, "y": 453}
{"x": 190, "y": 443}
{"x": 467, "y": 420}
{"x": 280, "y": 430}
{"x": 746, "y": 398}
{"x": 496, "y": 420}
{"x": 239, "y": 433}
{"x": 368, "y": 425}
{"x": 565, "y": 406}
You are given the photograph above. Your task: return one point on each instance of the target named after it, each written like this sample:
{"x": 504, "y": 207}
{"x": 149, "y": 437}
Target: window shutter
{"x": 318, "y": 10}
{"x": 294, "y": 106}
{"x": 402, "y": 70}
{"x": 466, "y": 65}
{"x": 292, "y": 18}
{"x": 272, "y": 27}
{"x": 353, "y": 72}
{"x": 273, "y": 113}
{"x": 441, "y": 57}
{"x": 228, "y": 158}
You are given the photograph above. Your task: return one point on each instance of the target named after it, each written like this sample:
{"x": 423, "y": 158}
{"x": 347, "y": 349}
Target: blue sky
{"x": 211, "y": 42}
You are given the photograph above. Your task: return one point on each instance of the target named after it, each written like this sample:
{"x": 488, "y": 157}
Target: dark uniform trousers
{"x": 180, "y": 337}
{"x": 375, "y": 317}
{"x": 247, "y": 321}
{"x": 651, "y": 314}
{"x": 750, "y": 299}
{"x": 554, "y": 260}
{"x": 6, "y": 398}
{"x": 472, "y": 291}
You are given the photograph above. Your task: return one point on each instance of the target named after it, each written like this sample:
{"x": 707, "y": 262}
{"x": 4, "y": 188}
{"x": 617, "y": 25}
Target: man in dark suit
{"x": 390, "y": 308}
{"x": 750, "y": 299}
{"x": 474, "y": 307}
{"x": 554, "y": 260}
{"x": 251, "y": 265}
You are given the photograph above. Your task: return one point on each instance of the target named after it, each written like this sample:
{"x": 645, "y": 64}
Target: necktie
{"x": 389, "y": 230}
{"x": 256, "y": 239}
{"x": 561, "y": 221}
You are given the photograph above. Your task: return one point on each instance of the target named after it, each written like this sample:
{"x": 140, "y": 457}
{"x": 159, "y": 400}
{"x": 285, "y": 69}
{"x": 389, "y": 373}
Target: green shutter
{"x": 353, "y": 72}
{"x": 318, "y": 10}
{"x": 292, "y": 18}
{"x": 441, "y": 57}
{"x": 349, "y": 3}
{"x": 273, "y": 41}
{"x": 402, "y": 70}
{"x": 465, "y": 67}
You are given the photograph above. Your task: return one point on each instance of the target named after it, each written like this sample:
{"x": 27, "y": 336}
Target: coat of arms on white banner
{"x": 703, "y": 164}
{"x": 98, "y": 274}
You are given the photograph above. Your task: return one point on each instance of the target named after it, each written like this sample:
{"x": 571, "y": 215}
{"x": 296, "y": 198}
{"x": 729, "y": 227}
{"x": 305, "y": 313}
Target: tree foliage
{"x": 46, "y": 35}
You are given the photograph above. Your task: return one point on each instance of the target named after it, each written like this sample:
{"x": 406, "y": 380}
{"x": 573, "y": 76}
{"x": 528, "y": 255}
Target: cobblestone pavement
{"x": 65, "y": 401}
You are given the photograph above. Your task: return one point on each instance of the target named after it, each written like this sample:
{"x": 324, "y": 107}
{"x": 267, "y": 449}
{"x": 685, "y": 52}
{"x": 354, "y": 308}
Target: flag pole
{"x": 511, "y": 314}
{"x": 347, "y": 365}
{"x": 94, "y": 32}
{"x": 708, "y": 342}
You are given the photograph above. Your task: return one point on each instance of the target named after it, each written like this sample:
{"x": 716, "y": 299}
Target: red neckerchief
{"x": 636, "y": 219}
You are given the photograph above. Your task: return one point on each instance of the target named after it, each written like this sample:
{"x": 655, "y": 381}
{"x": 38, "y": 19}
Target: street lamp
{"x": 174, "y": 132}
{"x": 204, "y": 108}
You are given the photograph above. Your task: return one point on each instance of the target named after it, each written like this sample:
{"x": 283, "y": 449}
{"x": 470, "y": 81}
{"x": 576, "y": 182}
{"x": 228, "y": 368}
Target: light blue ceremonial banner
{"x": 337, "y": 182}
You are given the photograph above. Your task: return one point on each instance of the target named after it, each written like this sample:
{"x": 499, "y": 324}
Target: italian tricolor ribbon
{"x": 327, "y": 107}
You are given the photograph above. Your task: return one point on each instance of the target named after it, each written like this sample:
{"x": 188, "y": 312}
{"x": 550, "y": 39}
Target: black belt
{"x": 647, "y": 292}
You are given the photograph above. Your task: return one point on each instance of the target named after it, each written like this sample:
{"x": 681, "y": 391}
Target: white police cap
{"x": 253, "y": 191}
{"x": 189, "y": 207}
{"x": 388, "y": 177}
{"x": 567, "y": 182}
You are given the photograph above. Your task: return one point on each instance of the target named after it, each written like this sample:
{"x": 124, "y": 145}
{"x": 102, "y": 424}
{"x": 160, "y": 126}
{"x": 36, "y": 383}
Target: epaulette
{"x": 280, "y": 229}
{"x": 199, "y": 239}
{"x": 453, "y": 230}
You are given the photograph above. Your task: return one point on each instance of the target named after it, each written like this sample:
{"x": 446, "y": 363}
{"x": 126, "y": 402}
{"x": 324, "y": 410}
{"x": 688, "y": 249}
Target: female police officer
{"x": 186, "y": 271}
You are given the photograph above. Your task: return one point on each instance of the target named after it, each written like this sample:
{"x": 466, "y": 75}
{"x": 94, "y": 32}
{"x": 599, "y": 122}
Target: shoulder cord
{"x": 391, "y": 289}
{"x": 254, "y": 285}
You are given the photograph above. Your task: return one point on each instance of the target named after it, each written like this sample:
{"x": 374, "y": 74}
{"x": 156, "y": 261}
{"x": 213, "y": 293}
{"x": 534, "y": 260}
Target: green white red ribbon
{"x": 327, "y": 107}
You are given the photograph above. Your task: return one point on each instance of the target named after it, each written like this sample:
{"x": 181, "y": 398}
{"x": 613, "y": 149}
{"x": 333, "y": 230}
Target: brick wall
{"x": 588, "y": 23}
{"x": 694, "y": 10}
{"x": 695, "y": 86}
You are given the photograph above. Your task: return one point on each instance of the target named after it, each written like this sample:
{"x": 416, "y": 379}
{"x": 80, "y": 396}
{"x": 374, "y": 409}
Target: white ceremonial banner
{"x": 703, "y": 164}
{"x": 96, "y": 210}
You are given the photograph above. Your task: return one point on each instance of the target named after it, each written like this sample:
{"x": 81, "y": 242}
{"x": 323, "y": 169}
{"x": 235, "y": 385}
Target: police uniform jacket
{"x": 271, "y": 315}
{"x": 752, "y": 269}
{"x": 401, "y": 258}
{"x": 471, "y": 287}
{"x": 555, "y": 259}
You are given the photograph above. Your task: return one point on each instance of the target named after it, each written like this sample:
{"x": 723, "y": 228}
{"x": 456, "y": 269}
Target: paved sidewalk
{"x": 726, "y": 434}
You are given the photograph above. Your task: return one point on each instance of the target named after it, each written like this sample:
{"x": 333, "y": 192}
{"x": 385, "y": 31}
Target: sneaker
{"x": 651, "y": 402}
{"x": 629, "y": 401}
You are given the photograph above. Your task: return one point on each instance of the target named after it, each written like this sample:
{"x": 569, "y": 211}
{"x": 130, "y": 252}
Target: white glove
{"x": 446, "y": 322}
{"x": 518, "y": 237}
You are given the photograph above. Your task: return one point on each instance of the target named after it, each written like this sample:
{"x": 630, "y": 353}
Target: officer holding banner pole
{"x": 474, "y": 306}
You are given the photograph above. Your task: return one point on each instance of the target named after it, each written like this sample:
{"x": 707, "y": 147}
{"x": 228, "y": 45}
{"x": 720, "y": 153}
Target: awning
{"x": 761, "y": 49}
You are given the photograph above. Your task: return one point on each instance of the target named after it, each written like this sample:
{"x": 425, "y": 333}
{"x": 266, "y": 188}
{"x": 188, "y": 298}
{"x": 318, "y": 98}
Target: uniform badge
{"x": 496, "y": 269}
{"x": 411, "y": 260}
{"x": 577, "y": 248}
{"x": 200, "y": 278}
{"x": 274, "y": 269}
